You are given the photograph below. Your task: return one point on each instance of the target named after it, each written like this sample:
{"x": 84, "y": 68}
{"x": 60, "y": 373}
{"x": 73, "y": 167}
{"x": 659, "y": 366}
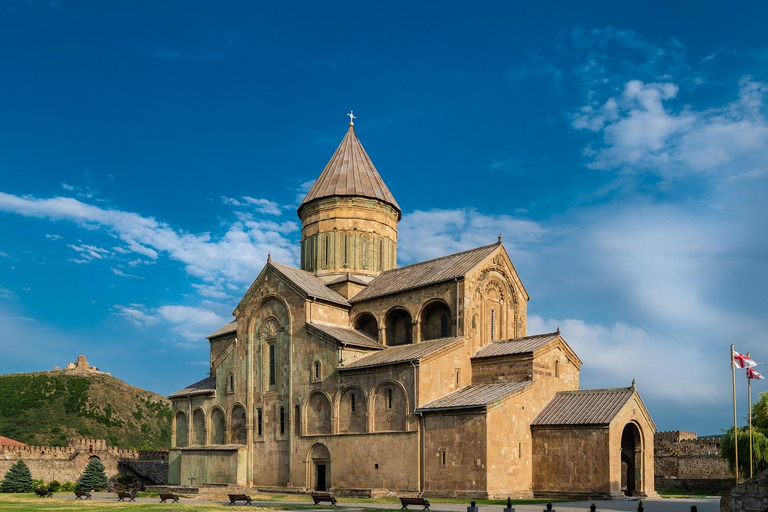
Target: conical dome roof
{"x": 350, "y": 172}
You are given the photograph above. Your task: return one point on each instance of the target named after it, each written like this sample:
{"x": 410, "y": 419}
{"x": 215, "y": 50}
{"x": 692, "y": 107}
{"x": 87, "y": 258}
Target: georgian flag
{"x": 742, "y": 361}
{"x": 753, "y": 374}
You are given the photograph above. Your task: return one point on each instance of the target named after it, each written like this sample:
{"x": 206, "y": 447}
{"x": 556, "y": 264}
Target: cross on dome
{"x": 351, "y": 118}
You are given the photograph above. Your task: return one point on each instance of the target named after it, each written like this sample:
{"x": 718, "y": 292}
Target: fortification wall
{"x": 67, "y": 463}
{"x": 682, "y": 461}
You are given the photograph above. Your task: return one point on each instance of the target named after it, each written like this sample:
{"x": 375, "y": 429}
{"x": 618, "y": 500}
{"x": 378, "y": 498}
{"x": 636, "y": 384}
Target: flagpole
{"x": 749, "y": 397}
{"x": 735, "y": 426}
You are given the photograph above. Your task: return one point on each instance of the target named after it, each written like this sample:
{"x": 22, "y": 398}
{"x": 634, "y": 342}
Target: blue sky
{"x": 151, "y": 154}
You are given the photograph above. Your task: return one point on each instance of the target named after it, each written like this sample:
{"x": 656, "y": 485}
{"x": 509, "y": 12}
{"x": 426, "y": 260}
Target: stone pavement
{"x": 349, "y": 505}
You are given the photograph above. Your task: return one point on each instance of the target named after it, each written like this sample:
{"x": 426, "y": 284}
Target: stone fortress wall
{"x": 67, "y": 463}
{"x": 684, "y": 462}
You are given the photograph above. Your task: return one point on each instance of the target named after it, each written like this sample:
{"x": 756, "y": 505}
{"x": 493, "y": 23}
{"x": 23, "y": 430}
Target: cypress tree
{"x": 17, "y": 479}
{"x": 94, "y": 477}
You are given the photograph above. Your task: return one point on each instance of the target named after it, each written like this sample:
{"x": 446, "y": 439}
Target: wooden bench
{"x": 80, "y": 495}
{"x": 239, "y": 497}
{"x": 44, "y": 493}
{"x": 421, "y": 502}
{"x": 168, "y": 496}
{"x": 319, "y": 497}
{"x": 122, "y": 496}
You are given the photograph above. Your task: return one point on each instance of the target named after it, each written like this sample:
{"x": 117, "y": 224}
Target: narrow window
{"x": 519, "y": 450}
{"x": 272, "y": 378}
{"x": 442, "y": 457}
{"x": 346, "y": 260}
{"x": 493, "y": 324}
{"x": 389, "y": 398}
{"x": 297, "y": 420}
{"x": 317, "y": 369}
{"x": 231, "y": 382}
{"x": 365, "y": 253}
{"x": 557, "y": 368}
{"x": 352, "y": 398}
{"x": 381, "y": 254}
{"x": 258, "y": 422}
{"x": 457, "y": 376}
{"x": 282, "y": 421}
{"x": 444, "y": 326}
{"x": 327, "y": 249}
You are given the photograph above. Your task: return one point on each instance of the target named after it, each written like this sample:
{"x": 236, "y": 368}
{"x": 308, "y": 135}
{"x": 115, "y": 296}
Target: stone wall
{"x": 750, "y": 496}
{"x": 67, "y": 463}
{"x": 684, "y": 462}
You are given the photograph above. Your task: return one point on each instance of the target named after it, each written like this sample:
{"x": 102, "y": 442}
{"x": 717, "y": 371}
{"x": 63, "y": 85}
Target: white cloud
{"x": 191, "y": 323}
{"x": 88, "y": 253}
{"x": 120, "y": 273}
{"x": 137, "y": 315}
{"x": 52, "y": 237}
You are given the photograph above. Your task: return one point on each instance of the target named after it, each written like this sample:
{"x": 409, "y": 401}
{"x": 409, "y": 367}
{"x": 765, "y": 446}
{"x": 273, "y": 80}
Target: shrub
{"x": 38, "y": 483}
{"x": 17, "y": 479}
{"x": 94, "y": 477}
{"x": 67, "y": 486}
{"x": 54, "y": 486}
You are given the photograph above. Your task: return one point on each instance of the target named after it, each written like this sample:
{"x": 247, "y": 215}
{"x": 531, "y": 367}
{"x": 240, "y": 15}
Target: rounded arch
{"x": 389, "y": 407}
{"x": 218, "y": 426}
{"x": 198, "y": 426}
{"x": 351, "y": 409}
{"x": 631, "y": 459}
{"x": 317, "y": 413}
{"x": 180, "y": 429}
{"x": 434, "y": 320}
{"x": 237, "y": 421}
{"x": 319, "y": 468}
{"x": 399, "y": 326}
{"x": 367, "y": 323}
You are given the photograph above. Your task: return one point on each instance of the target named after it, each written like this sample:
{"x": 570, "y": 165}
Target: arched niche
{"x": 218, "y": 427}
{"x": 318, "y": 414}
{"x": 181, "y": 429}
{"x": 631, "y": 460}
{"x": 352, "y": 407}
{"x": 390, "y": 408}
{"x": 367, "y": 324}
{"x": 198, "y": 427}
{"x": 237, "y": 422}
{"x": 435, "y": 321}
{"x": 319, "y": 468}
{"x": 497, "y": 308}
{"x": 399, "y": 327}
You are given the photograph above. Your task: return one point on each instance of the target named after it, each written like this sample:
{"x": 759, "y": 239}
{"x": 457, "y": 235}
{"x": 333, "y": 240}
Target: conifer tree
{"x": 94, "y": 477}
{"x": 17, "y": 479}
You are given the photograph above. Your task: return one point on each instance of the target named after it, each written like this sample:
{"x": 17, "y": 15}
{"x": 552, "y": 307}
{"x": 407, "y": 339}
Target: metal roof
{"x": 7, "y": 441}
{"x": 350, "y": 172}
{"x": 227, "y": 329}
{"x": 428, "y": 272}
{"x": 309, "y": 284}
{"x": 524, "y": 345}
{"x": 345, "y": 336}
{"x": 589, "y": 407}
{"x": 402, "y": 353}
{"x": 202, "y": 387}
{"x": 480, "y": 395}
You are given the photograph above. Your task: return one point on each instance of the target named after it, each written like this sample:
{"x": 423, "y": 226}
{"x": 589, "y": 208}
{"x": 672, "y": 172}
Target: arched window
{"x": 218, "y": 427}
{"x": 399, "y": 327}
{"x": 365, "y": 253}
{"x": 327, "y": 249}
{"x": 352, "y": 402}
{"x": 493, "y": 324}
{"x": 272, "y": 378}
{"x": 259, "y": 422}
{"x": 238, "y": 434}
{"x": 389, "y": 398}
{"x": 316, "y": 371}
{"x": 435, "y": 321}
{"x": 297, "y": 420}
{"x": 442, "y": 457}
{"x": 182, "y": 431}
{"x": 367, "y": 323}
{"x": 557, "y": 368}
{"x": 346, "y": 252}
{"x": 198, "y": 427}
{"x": 381, "y": 254}
{"x": 231, "y": 383}
{"x": 282, "y": 421}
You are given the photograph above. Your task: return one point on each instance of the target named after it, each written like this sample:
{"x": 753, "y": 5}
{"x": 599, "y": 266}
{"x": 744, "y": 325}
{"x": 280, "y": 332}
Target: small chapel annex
{"x": 355, "y": 375}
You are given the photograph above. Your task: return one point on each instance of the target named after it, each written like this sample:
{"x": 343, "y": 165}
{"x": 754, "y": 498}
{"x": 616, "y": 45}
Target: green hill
{"x": 45, "y": 408}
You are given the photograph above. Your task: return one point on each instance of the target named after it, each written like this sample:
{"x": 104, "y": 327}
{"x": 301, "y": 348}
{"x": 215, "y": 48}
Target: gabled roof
{"x": 344, "y": 336}
{"x": 7, "y": 441}
{"x": 350, "y": 172}
{"x": 202, "y": 387}
{"x": 227, "y": 329}
{"x": 476, "y": 396}
{"x": 584, "y": 407}
{"x": 526, "y": 345}
{"x": 309, "y": 283}
{"x": 403, "y": 353}
{"x": 425, "y": 273}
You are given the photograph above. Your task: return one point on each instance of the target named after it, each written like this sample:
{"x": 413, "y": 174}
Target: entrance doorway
{"x": 631, "y": 460}
{"x": 320, "y": 478}
{"x": 319, "y": 468}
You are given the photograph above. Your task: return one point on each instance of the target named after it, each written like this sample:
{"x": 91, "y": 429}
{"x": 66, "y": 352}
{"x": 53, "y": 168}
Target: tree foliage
{"x": 17, "y": 479}
{"x": 760, "y": 414}
{"x": 94, "y": 477}
{"x": 759, "y": 450}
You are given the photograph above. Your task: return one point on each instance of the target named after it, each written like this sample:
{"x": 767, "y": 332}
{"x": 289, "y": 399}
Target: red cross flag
{"x": 753, "y": 374}
{"x": 742, "y": 361}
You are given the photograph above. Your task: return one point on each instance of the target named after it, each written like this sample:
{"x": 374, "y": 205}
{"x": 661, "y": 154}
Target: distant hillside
{"x": 45, "y": 408}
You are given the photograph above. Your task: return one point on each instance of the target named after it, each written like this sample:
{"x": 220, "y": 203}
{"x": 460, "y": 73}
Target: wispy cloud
{"x": 190, "y": 323}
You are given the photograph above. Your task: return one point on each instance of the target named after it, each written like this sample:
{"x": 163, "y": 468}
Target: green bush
{"x": 17, "y": 479}
{"x": 67, "y": 486}
{"x": 54, "y": 486}
{"x": 94, "y": 477}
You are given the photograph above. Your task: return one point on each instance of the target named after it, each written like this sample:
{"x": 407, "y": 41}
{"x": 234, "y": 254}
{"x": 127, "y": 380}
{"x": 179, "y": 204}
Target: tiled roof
{"x": 476, "y": 396}
{"x": 427, "y": 272}
{"x": 517, "y": 345}
{"x": 402, "y": 353}
{"x": 350, "y": 172}
{"x": 309, "y": 283}
{"x": 227, "y": 329}
{"x": 345, "y": 336}
{"x": 590, "y": 407}
{"x": 6, "y": 441}
{"x": 203, "y": 387}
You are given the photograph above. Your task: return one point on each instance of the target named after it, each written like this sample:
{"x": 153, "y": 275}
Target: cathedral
{"x": 357, "y": 376}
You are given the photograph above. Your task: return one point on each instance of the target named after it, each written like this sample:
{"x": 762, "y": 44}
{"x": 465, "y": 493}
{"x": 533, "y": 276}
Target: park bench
{"x": 168, "y": 496}
{"x": 239, "y": 497}
{"x": 421, "y": 502}
{"x": 319, "y": 497}
{"x": 82, "y": 495}
{"x": 122, "y": 496}
{"x": 44, "y": 493}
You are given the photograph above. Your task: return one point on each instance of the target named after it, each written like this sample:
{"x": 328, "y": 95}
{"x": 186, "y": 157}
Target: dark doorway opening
{"x": 320, "y": 478}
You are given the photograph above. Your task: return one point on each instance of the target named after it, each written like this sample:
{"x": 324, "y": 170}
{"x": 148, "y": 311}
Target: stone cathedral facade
{"x": 354, "y": 375}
